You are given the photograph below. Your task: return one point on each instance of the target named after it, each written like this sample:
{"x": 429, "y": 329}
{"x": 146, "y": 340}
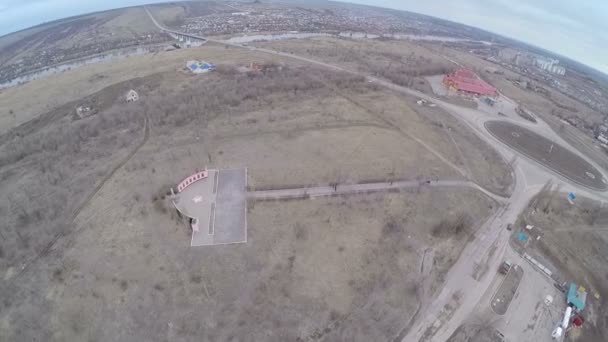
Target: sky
{"x": 577, "y": 29}
{"x": 574, "y": 28}
{"x": 19, "y": 14}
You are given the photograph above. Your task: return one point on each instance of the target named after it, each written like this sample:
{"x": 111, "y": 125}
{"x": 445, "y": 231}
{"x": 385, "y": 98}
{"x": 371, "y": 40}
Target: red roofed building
{"x": 466, "y": 81}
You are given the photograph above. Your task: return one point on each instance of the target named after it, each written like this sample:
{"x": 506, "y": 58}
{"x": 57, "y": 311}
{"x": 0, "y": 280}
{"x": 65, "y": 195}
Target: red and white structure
{"x": 191, "y": 179}
{"x": 196, "y": 198}
{"x": 466, "y": 81}
{"x": 216, "y": 203}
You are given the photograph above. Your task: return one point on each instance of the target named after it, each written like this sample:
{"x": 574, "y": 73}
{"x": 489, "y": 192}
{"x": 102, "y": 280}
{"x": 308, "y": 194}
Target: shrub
{"x": 453, "y": 227}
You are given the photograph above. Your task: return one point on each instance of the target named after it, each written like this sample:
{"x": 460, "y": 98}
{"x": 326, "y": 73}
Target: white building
{"x": 550, "y": 65}
{"x": 199, "y": 67}
{"x": 132, "y": 96}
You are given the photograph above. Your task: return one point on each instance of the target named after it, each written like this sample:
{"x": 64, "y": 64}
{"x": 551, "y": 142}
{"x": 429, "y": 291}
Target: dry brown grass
{"x": 26, "y": 102}
{"x": 401, "y": 62}
{"x": 336, "y": 268}
{"x": 291, "y": 126}
{"x": 398, "y": 61}
{"x": 574, "y": 246}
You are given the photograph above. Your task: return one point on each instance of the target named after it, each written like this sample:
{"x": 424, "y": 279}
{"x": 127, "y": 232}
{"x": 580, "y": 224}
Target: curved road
{"x": 548, "y": 153}
{"x": 436, "y": 322}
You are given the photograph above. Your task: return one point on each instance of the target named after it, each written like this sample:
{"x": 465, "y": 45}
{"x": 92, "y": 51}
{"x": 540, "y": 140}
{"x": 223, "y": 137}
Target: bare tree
{"x": 512, "y": 162}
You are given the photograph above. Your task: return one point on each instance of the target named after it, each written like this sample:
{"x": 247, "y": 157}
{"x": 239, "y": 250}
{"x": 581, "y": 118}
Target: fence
{"x": 195, "y": 177}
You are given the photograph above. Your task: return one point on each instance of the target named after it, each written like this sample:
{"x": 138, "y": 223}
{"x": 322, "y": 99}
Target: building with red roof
{"x": 466, "y": 81}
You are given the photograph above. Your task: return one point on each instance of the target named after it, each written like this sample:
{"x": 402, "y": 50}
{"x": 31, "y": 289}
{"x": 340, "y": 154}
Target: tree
{"x": 336, "y": 177}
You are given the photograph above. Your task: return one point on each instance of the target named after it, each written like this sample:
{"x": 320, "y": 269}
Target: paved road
{"x": 349, "y": 189}
{"x": 491, "y": 240}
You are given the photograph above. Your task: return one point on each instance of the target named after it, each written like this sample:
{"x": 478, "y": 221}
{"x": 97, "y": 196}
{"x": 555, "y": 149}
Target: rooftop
{"x": 577, "y": 296}
{"x": 466, "y": 80}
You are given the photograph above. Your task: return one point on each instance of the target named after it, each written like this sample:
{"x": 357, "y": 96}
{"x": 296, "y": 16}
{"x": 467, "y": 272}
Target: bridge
{"x": 187, "y": 38}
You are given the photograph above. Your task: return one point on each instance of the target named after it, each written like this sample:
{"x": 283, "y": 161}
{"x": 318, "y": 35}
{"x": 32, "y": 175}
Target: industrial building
{"x": 466, "y": 81}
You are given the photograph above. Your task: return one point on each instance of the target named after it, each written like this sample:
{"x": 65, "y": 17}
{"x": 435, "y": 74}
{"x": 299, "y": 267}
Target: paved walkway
{"x": 349, "y": 189}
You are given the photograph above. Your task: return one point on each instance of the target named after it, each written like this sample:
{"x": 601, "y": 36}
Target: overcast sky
{"x": 574, "y": 28}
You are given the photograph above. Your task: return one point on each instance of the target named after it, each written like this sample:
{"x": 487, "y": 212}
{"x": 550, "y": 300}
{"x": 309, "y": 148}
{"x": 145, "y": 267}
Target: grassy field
{"x": 23, "y": 103}
{"x": 338, "y": 268}
{"x": 170, "y": 15}
{"x": 128, "y": 23}
{"x": 86, "y": 195}
{"x": 325, "y": 138}
{"x": 71, "y": 34}
{"x": 405, "y": 63}
{"x": 91, "y": 247}
{"x": 174, "y": 14}
{"x": 401, "y": 62}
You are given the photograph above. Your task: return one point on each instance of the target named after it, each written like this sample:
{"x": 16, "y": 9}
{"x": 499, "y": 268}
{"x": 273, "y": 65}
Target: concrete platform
{"x": 231, "y": 207}
{"x": 218, "y": 207}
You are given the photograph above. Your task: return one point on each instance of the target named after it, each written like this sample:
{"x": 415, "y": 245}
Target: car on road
{"x": 505, "y": 267}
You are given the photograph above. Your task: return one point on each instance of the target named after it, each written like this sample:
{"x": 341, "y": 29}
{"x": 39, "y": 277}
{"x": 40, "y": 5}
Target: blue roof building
{"x": 577, "y": 296}
{"x": 198, "y": 67}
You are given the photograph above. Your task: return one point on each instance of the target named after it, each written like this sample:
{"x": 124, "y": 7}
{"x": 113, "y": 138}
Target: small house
{"x": 132, "y": 96}
{"x": 82, "y": 111}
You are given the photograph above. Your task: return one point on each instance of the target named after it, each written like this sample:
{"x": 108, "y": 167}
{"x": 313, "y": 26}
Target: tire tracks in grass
{"x": 67, "y": 232}
{"x": 400, "y": 130}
